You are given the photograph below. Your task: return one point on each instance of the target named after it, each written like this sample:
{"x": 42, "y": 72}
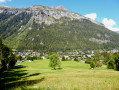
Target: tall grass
{"x": 72, "y": 76}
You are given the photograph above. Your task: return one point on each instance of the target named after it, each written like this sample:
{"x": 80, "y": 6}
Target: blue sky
{"x": 104, "y": 11}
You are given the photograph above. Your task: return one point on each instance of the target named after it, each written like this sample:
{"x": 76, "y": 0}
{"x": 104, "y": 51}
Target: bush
{"x": 13, "y": 60}
{"x": 88, "y": 60}
{"x": 20, "y": 58}
{"x": 110, "y": 64}
{"x": 67, "y": 59}
{"x": 98, "y": 64}
{"x": 106, "y": 57}
{"x": 92, "y": 65}
{"x": 75, "y": 58}
{"x": 116, "y": 59}
{"x": 31, "y": 58}
{"x": 63, "y": 58}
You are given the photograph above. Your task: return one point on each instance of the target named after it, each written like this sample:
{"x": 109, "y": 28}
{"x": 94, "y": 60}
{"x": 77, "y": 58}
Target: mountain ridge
{"x": 35, "y": 9}
{"x": 52, "y": 29}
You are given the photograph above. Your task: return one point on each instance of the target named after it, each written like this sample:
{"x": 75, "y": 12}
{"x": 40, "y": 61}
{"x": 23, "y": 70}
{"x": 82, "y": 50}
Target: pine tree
{"x": 7, "y": 58}
{"x": 0, "y": 51}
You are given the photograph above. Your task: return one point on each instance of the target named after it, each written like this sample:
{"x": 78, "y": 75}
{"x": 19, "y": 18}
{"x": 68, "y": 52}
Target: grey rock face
{"x": 48, "y": 15}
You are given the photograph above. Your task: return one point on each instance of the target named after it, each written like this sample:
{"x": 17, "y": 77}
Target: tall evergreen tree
{"x": 0, "y": 51}
{"x": 7, "y": 58}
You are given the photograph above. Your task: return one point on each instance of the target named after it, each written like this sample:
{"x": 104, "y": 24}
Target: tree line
{"x": 109, "y": 59}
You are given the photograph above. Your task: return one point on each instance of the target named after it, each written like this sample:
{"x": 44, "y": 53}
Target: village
{"x": 70, "y": 55}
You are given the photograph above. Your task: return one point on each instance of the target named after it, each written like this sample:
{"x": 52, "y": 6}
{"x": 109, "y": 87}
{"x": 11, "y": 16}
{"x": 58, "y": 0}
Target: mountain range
{"x": 53, "y": 29}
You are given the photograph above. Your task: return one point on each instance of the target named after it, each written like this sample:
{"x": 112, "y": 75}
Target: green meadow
{"x": 37, "y": 75}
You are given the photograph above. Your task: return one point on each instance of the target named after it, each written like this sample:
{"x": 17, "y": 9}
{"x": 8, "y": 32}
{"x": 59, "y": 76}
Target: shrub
{"x": 98, "y": 64}
{"x": 92, "y": 65}
{"x": 13, "y": 60}
{"x": 67, "y": 59}
{"x": 75, "y": 58}
{"x": 31, "y": 58}
{"x": 110, "y": 64}
{"x": 88, "y": 60}
{"x": 116, "y": 59}
{"x": 19, "y": 58}
{"x": 63, "y": 58}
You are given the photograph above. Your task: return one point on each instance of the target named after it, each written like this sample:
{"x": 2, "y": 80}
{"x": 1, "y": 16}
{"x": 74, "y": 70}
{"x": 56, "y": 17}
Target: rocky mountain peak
{"x": 60, "y": 8}
{"x": 48, "y": 15}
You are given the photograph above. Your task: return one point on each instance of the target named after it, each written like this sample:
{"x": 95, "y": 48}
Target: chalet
{"x": 75, "y": 53}
{"x": 72, "y": 58}
{"x": 89, "y": 55}
{"x": 43, "y": 57}
{"x": 91, "y": 52}
{"x": 46, "y": 55}
{"x": 66, "y": 57}
{"x": 34, "y": 53}
{"x": 83, "y": 60}
{"x": 114, "y": 51}
{"x": 60, "y": 52}
{"x": 79, "y": 58}
{"x": 70, "y": 53}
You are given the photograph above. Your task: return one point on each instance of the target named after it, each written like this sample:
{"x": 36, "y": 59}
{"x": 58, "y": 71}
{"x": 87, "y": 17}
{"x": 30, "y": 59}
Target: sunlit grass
{"x": 72, "y": 76}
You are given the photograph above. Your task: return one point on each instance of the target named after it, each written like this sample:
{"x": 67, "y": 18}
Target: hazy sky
{"x": 104, "y": 11}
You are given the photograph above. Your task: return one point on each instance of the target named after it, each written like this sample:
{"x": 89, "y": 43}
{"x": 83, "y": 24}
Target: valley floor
{"x": 37, "y": 75}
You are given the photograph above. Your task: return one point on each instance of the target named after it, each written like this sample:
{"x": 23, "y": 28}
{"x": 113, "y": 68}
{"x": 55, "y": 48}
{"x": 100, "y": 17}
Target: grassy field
{"x": 37, "y": 75}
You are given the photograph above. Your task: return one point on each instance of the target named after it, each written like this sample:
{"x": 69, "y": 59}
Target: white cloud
{"x": 91, "y": 16}
{"x": 109, "y": 24}
{"x": 2, "y": 1}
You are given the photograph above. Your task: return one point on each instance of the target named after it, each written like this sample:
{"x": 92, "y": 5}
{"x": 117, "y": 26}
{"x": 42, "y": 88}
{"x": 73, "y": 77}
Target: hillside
{"x": 53, "y": 29}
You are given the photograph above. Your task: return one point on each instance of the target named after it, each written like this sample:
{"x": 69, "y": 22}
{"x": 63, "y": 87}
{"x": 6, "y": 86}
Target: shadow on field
{"x": 19, "y": 66}
{"x": 17, "y": 78}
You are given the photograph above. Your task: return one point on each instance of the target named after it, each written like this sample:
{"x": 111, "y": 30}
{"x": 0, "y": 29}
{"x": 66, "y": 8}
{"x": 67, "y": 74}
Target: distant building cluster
{"x": 69, "y": 55}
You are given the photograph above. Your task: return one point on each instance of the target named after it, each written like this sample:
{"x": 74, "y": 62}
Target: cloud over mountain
{"x": 109, "y": 23}
{"x": 91, "y": 16}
